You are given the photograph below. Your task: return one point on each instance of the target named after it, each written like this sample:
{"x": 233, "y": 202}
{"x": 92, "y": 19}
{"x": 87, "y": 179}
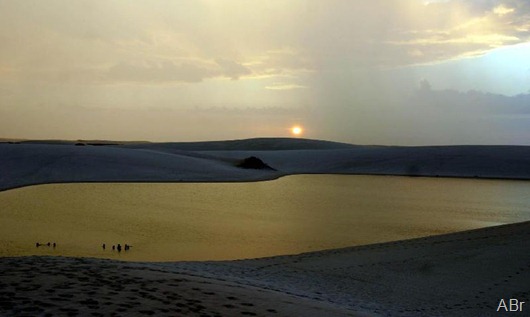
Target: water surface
{"x": 202, "y": 221}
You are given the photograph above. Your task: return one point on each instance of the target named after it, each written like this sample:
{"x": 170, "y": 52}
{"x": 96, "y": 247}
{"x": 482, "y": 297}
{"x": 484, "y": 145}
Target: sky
{"x": 391, "y": 72}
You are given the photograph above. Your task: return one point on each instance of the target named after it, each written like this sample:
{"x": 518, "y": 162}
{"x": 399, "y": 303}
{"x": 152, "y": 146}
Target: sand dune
{"x": 462, "y": 274}
{"x": 30, "y": 163}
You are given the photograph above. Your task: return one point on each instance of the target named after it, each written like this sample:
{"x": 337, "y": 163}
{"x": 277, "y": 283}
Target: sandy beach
{"x": 461, "y": 274}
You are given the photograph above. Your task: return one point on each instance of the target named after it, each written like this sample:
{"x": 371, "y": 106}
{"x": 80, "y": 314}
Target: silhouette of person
{"x": 126, "y": 247}
{"x": 37, "y": 244}
{"x": 48, "y": 244}
{"x": 54, "y": 245}
{"x": 119, "y": 247}
{"x": 103, "y": 246}
{"x": 113, "y": 247}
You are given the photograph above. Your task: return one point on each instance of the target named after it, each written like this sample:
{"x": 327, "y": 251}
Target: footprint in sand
{"x": 147, "y": 312}
{"x": 69, "y": 311}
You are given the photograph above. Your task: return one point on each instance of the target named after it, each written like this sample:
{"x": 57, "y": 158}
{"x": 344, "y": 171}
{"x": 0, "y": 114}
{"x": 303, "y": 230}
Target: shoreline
{"x": 438, "y": 237}
{"x": 457, "y": 274}
{"x": 264, "y": 179}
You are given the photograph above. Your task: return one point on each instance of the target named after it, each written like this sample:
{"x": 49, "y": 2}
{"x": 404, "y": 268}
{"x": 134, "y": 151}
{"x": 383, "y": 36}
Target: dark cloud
{"x": 164, "y": 72}
{"x": 232, "y": 69}
{"x": 171, "y": 72}
{"x": 480, "y": 103}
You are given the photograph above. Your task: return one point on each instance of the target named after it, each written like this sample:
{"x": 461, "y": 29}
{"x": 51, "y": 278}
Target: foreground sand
{"x": 461, "y": 274}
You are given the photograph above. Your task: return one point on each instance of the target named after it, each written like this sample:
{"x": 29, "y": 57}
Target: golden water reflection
{"x": 204, "y": 221}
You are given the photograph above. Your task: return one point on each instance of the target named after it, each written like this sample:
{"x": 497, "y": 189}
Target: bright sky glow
{"x": 203, "y": 69}
{"x": 296, "y": 130}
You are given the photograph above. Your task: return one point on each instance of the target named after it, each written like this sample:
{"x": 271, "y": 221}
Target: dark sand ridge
{"x": 460, "y": 274}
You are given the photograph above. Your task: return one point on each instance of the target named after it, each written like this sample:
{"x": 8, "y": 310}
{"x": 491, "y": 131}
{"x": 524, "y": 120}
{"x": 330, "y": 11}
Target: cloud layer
{"x": 193, "y": 40}
{"x": 340, "y": 66}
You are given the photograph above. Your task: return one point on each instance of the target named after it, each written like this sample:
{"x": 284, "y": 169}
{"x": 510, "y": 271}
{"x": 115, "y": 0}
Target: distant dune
{"x": 257, "y": 144}
{"x": 29, "y": 163}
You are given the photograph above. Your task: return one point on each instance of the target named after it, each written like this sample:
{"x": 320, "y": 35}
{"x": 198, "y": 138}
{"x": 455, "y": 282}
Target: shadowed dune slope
{"x": 512, "y": 162}
{"x": 29, "y": 164}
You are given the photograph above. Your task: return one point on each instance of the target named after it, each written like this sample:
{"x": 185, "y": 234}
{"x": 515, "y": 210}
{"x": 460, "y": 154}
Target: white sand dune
{"x": 462, "y": 274}
{"x": 30, "y": 163}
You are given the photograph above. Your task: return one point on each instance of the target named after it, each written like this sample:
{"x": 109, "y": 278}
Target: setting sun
{"x": 296, "y": 130}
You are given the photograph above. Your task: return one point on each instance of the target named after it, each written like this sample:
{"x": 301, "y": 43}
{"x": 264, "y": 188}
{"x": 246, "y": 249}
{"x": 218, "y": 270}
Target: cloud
{"x": 167, "y": 71}
{"x": 280, "y": 63}
{"x": 232, "y": 69}
{"x": 472, "y": 101}
{"x": 164, "y": 72}
{"x": 465, "y": 28}
{"x": 284, "y": 39}
{"x": 501, "y": 10}
{"x": 283, "y": 86}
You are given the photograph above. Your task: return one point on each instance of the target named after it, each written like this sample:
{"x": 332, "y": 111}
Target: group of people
{"x": 126, "y": 247}
{"x": 38, "y": 244}
{"x": 118, "y": 247}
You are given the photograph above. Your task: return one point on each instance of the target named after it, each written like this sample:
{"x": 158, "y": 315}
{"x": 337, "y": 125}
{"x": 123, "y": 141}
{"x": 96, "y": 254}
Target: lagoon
{"x": 222, "y": 221}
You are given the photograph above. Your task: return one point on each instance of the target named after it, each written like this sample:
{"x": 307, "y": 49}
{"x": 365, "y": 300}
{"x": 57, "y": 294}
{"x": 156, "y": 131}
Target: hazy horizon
{"x": 389, "y": 72}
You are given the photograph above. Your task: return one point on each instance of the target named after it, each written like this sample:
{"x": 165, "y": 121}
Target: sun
{"x": 297, "y": 130}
